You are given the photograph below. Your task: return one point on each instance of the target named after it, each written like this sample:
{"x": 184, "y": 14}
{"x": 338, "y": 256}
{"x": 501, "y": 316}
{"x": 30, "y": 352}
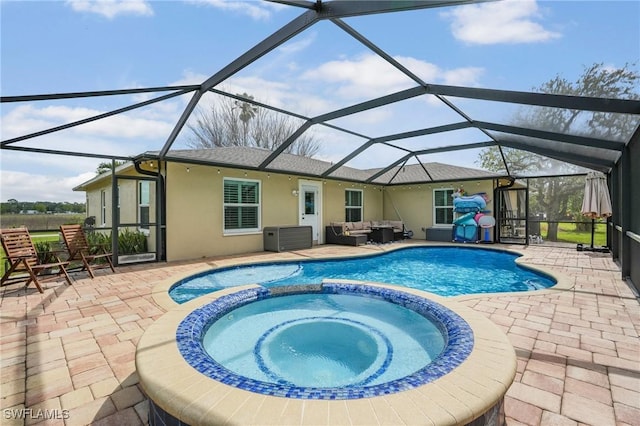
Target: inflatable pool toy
{"x": 465, "y": 228}
{"x": 470, "y": 203}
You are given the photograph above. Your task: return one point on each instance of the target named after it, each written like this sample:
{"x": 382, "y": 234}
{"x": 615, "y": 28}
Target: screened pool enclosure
{"x": 458, "y": 121}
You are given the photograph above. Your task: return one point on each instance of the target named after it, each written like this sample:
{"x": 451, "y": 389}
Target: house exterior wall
{"x": 414, "y": 203}
{"x": 195, "y": 209}
{"x": 128, "y": 191}
{"x": 334, "y": 206}
{"x": 195, "y": 215}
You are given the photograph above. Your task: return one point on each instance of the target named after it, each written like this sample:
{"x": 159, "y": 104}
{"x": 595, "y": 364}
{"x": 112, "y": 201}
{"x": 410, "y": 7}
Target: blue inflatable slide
{"x": 465, "y": 228}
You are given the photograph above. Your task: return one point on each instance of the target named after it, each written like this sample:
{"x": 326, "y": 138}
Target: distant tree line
{"x": 16, "y": 207}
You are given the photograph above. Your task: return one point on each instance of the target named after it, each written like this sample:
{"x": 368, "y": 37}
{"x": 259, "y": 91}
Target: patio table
{"x": 381, "y": 234}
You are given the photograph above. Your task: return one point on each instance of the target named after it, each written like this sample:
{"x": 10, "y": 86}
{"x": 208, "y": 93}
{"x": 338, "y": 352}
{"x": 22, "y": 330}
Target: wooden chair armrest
{"x": 43, "y": 266}
{"x": 20, "y": 257}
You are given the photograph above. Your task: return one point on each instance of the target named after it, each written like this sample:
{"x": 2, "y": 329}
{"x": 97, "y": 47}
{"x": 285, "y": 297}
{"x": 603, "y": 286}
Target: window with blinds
{"x": 241, "y": 205}
{"x": 353, "y": 205}
{"x": 443, "y": 206}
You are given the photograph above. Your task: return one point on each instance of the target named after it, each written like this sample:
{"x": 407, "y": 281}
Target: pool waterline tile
{"x": 458, "y": 341}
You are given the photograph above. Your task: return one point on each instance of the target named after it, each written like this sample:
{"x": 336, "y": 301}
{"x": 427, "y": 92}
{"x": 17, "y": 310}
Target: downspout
{"x": 160, "y": 206}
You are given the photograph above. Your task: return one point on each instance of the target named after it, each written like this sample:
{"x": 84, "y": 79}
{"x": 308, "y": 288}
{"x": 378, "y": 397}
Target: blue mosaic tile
{"x": 457, "y": 333}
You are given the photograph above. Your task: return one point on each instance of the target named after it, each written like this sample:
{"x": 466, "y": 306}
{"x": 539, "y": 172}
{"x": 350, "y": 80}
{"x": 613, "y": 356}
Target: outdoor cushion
{"x": 340, "y": 225}
{"x": 395, "y": 224}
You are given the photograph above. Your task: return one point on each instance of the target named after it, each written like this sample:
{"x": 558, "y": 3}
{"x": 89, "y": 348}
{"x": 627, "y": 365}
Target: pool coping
{"x": 459, "y": 397}
{"x": 160, "y": 292}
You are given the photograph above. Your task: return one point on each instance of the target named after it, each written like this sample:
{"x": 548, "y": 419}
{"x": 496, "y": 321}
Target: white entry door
{"x": 310, "y": 199}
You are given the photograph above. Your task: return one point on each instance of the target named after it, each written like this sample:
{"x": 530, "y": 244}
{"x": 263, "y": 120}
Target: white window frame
{"x": 258, "y": 205}
{"x": 435, "y": 207}
{"x": 350, "y": 207}
{"x": 103, "y": 208}
{"x": 141, "y": 204}
{"x": 118, "y": 201}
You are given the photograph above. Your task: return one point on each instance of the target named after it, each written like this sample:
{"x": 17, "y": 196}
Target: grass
{"x": 39, "y": 222}
{"x": 568, "y": 233}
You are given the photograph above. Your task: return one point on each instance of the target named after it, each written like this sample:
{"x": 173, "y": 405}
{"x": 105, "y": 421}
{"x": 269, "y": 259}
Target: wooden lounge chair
{"x": 23, "y": 258}
{"x": 76, "y": 242}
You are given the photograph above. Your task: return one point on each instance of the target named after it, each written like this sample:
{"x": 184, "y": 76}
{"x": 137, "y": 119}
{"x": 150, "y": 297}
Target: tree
{"x": 247, "y": 112}
{"x": 106, "y": 166}
{"x": 231, "y": 122}
{"x": 561, "y": 197}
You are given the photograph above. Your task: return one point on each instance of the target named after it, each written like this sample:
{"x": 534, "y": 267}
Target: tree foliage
{"x": 561, "y": 197}
{"x": 14, "y": 206}
{"x": 107, "y": 166}
{"x": 230, "y": 122}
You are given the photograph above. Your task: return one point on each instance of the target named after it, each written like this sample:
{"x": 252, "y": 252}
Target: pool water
{"x": 446, "y": 271}
{"x": 323, "y": 340}
{"x": 333, "y": 341}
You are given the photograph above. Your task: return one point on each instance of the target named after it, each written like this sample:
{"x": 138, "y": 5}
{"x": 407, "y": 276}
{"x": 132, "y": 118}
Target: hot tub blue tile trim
{"x": 458, "y": 337}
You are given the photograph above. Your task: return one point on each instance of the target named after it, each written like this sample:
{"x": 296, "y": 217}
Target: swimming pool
{"x": 446, "y": 271}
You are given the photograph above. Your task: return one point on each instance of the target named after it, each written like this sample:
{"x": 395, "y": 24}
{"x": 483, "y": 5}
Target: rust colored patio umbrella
{"x": 596, "y": 204}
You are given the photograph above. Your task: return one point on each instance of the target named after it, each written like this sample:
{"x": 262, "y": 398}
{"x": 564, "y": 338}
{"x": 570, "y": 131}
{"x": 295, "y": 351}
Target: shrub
{"x": 129, "y": 242}
{"x": 43, "y": 248}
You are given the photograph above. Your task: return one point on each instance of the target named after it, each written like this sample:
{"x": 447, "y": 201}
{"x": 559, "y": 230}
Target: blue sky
{"x": 86, "y": 45}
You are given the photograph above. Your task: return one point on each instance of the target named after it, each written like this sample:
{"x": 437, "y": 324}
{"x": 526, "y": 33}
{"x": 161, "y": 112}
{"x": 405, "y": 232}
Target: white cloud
{"x": 275, "y": 93}
{"x": 189, "y": 77}
{"x": 371, "y": 76}
{"x": 255, "y": 10}
{"x": 111, "y": 8}
{"x": 508, "y": 21}
{"x": 463, "y": 76}
{"x": 26, "y": 119}
{"x": 32, "y": 176}
{"x": 365, "y": 76}
{"x": 38, "y": 177}
{"x": 298, "y": 44}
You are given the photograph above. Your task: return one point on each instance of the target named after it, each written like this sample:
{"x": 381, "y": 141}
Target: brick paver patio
{"x": 67, "y": 356}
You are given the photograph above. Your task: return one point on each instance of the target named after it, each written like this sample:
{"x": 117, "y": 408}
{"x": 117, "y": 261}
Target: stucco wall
{"x": 195, "y": 211}
{"x": 414, "y": 203}
{"x": 195, "y": 207}
{"x": 128, "y": 192}
{"x": 334, "y": 208}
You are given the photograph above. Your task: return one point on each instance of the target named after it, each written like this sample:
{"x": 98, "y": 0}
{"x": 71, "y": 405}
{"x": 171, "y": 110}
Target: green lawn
{"x": 567, "y": 233}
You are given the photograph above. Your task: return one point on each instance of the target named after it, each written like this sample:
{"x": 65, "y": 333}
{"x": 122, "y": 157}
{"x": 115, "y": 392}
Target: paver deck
{"x": 67, "y": 356}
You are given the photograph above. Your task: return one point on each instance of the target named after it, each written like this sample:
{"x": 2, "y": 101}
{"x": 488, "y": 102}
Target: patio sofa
{"x": 356, "y": 233}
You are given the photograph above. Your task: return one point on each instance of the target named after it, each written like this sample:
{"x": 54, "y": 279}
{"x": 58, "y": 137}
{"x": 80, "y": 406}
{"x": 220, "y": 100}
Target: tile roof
{"x": 250, "y": 157}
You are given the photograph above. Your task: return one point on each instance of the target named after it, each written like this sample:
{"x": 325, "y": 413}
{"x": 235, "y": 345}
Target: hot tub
{"x": 195, "y": 369}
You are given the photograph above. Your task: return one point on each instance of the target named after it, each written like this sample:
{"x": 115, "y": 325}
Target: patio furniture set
{"x": 23, "y": 259}
{"x": 359, "y": 233}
